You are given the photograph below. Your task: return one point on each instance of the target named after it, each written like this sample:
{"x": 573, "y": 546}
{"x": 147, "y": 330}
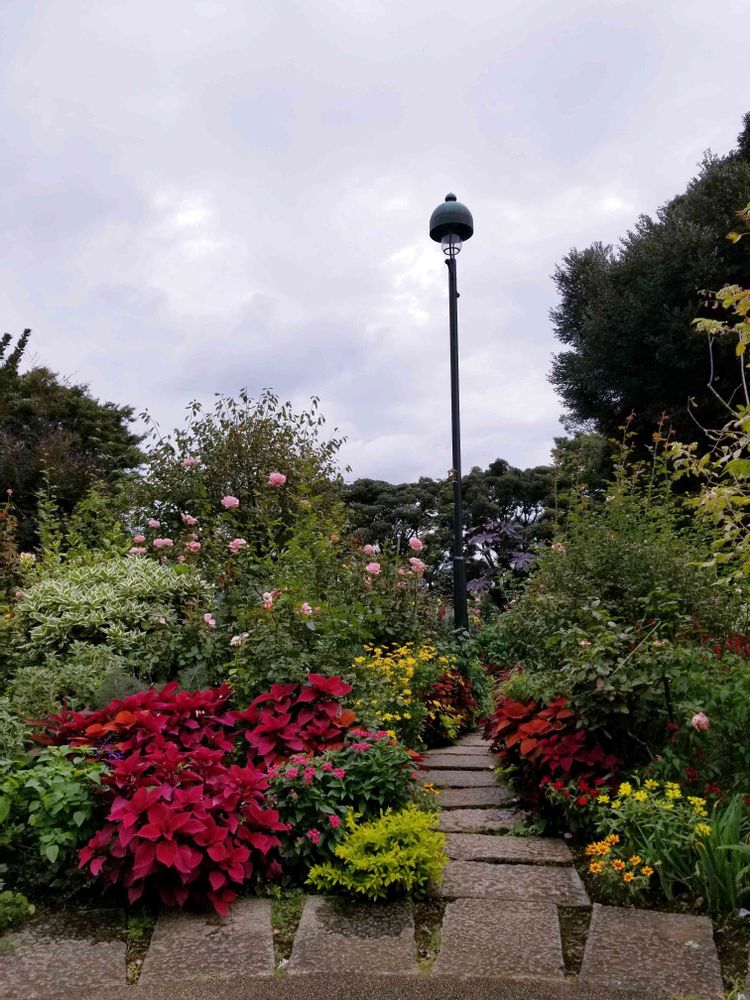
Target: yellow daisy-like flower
{"x": 625, "y": 789}
{"x": 596, "y": 867}
{"x": 628, "y": 877}
{"x": 618, "y": 865}
{"x": 647, "y": 870}
{"x": 604, "y": 799}
{"x": 696, "y": 802}
{"x": 651, "y": 784}
{"x": 640, "y": 795}
{"x": 673, "y": 793}
{"x": 703, "y": 829}
{"x": 616, "y": 803}
{"x": 635, "y": 860}
{"x": 613, "y": 838}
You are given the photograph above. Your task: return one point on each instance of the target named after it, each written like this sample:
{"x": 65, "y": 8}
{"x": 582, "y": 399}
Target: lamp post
{"x": 450, "y": 224}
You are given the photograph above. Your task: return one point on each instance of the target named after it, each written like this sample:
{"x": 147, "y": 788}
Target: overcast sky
{"x": 203, "y": 194}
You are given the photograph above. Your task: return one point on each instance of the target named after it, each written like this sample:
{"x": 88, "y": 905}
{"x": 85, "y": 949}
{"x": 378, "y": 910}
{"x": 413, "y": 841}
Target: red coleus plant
{"x": 545, "y": 737}
{"x": 296, "y": 718}
{"x": 185, "y": 823}
{"x": 454, "y": 695}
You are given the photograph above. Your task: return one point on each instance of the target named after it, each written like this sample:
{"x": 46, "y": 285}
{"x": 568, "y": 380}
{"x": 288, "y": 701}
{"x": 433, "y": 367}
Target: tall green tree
{"x": 57, "y": 435}
{"x": 625, "y": 313}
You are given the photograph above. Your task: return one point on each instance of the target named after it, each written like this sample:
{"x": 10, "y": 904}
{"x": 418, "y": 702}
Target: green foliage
{"x": 624, "y": 317}
{"x": 398, "y": 853}
{"x": 54, "y": 431}
{"x": 48, "y": 809}
{"x": 12, "y": 732}
{"x": 15, "y": 910}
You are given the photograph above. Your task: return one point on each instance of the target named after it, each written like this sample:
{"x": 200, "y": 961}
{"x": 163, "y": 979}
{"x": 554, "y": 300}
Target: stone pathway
{"x": 501, "y": 927}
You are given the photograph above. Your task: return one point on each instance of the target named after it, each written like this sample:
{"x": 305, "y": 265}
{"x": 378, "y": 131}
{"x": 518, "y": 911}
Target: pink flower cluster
{"x": 276, "y": 479}
{"x": 189, "y": 520}
{"x": 236, "y": 545}
{"x": 700, "y": 722}
{"x": 163, "y": 543}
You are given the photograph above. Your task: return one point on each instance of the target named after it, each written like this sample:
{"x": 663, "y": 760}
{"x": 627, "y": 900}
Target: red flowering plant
{"x": 450, "y": 707}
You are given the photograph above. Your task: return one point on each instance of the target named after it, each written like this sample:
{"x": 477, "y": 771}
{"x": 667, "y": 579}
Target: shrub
{"x": 12, "y": 733}
{"x": 48, "y": 808}
{"x": 400, "y": 852}
{"x": 314, "y": 794}
{"x": 15, "y": 910}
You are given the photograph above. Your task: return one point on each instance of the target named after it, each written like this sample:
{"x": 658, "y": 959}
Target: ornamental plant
{"x": 400, "y": 852}
{"x": 619, "y": 876}
{"x": 315, "y": 793}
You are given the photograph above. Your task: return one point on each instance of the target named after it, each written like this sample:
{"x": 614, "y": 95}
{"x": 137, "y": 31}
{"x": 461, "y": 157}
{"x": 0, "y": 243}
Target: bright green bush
{"x": 48, "y": 809}
{"x": 15, "y": 910}
{"x": 399, "y": 853}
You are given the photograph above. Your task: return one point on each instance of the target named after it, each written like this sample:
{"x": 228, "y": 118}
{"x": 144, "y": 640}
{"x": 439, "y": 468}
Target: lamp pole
{"x": 450, "y": 224}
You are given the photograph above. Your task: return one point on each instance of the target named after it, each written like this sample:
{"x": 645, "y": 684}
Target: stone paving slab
{"x": 479, "y": 820}
{"x": 459, "y": 779}
{"x": 473, "y": 740}
{"x": 338, "y": 937}
{"x": 469, "y": 762}
{"x": 523, "y": 850}
{"x": 532, "y": 883}
{"x": 483, "y": 938}
{"x": 59, "y": 954}
{"x": 673, "y": 953}
{"x": 188, "y": 946}
{"x": 458, "y": 751}
{"x": 475, "y": 798}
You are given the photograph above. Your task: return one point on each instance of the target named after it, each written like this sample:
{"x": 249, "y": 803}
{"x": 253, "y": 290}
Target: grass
{"x": 137, "y": 934}
{"x": 286, "y": 910}
{"x": 428, "y": 920}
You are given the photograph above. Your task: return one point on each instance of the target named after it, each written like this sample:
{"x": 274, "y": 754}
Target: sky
{"x": 201, "y": 195}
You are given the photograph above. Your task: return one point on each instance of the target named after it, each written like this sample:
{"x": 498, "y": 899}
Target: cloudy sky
{"x": 204, "y": 194}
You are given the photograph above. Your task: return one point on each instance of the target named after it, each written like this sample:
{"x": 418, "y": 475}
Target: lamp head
{"x": 450, "y": 224}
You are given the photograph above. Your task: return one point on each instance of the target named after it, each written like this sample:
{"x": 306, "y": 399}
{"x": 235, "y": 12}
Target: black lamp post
{"x": 450, "y": 224}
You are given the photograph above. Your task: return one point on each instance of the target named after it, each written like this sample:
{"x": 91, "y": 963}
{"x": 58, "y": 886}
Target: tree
{"x": 625, "y": 315}
{"x": 56, "y": 434}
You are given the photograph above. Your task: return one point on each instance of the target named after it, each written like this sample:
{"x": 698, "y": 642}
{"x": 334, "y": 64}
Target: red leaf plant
{"x": 187, "y": 824}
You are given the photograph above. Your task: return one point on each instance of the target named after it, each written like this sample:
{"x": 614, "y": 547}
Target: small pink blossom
{"x": 335, "y": 821}
{"x": 309, "y": 775}
{"x": 335, "y": 538}
{"x": 417, "y": 565}
{"x": 700, "y": 722}
{"x": 360, "y": 747}
{"x": 339, "y": 772}
{"x": 416, "y": 544}
{"x": 298, "y": 758}
{"x": 369, "y": 550}
{"x": 209, "y": 619}
{"x": 401, "y": 585}
{"x": 326, "y": 767}
{"x": 180, "y": 559}
{"x": 313, "y": 835}
{"x": 291, "y": 772}
{"x": 193, "y": 546}
{"x": 189, "y": 520}
{"x": 139, "y": 539}
{"x": 305, "y": 609}
{"x": 20, "y": 595}
{"x": 137, "y": 550}
{"x": 236, "y": 545}
{"x": 276, "y": 479}
{"x": 27, "y": 557}
{"x": 558, "y": 547}
{"x": 160, "y": 620}
{"x": 237, "y": 640}
{"x": 231, "y": 503}
{"x": 163, "y": 543}
{"x": 381, "y": 734}
{"x": 189, "y": 462}
{"x": 268, "y": 605}
{"x": 153, "y": 523}
{"x": 372, "y": 568}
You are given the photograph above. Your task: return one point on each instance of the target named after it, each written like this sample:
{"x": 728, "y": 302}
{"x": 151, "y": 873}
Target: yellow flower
{"x": 616, "y": 804}
{"x": 604, "y": 799}
{"x": 628, "y": 877}
{"x": 635, "y": 860}
{"x": 703, "y": 829}
{"x": 647, "y": 870}
{"x": 640, "y": 795}
{"x": 595, "y": 867}
{"x": 613, "y": 838}
{"x": 625, "y": 789}
{"x": 673, "y": 793}
{"x": 618, "y": 865}
{"x": 651, "y": 784}
{"x": 696, "y": 802}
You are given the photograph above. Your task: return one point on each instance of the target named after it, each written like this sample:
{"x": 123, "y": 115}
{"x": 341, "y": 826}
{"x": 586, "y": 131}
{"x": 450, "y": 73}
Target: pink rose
{"x": 189, "y": 462}
{"x": 209, "y": 619}
{"x": 137, "y": 550}
{"x": 230, "y": 502}
{"x": 276, "y": 479}
{"x": 236, "y": 544}
{"x": 193, "y": 546}
{"x": 416, "y": 544}
{"x": 335, "y": 821}
{"x": 189, "y": 520}
{"x": 153, "y": 523}
{"x": 373, "y": 568}
{"x": 417, "y": 565}
{"x": 369, "y": 550}
{"x": 163, "y": 543}
{"x": 139, "y": 539}
{"x": 305, "y": 609}
{"x": 700, "y": 722}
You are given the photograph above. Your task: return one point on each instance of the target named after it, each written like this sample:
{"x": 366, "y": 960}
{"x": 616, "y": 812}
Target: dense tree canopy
{"x": 58, "y": 433}
{"x": 625, "y": 314}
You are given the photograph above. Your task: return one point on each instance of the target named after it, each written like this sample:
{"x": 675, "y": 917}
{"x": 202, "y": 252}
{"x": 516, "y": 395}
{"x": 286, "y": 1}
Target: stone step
{"x": 459, "y": 779}
{"x": 475, "y": 798}
{"x": 519, "y": 850}
{"x": 473, "y": 740}
{"x": 470, "y": 751}
{"x": 531, "y": 883}
{"x": 466, "y": 762}
{"x": 662, "y": 953}
{"x": 189, "y": 946}
{"x": 479, "y": 820}
{"x": 62, "y": 953}
{"x": 339, "y": 938}
{"x": 484, "y": 938}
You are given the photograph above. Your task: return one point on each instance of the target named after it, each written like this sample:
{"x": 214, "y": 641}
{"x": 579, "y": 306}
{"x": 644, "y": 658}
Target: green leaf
{"x": 51, "y": 852}
{"x": 79, "y": 817}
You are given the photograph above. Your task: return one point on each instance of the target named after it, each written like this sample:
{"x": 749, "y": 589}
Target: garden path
{"x": 511, "y": 915}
